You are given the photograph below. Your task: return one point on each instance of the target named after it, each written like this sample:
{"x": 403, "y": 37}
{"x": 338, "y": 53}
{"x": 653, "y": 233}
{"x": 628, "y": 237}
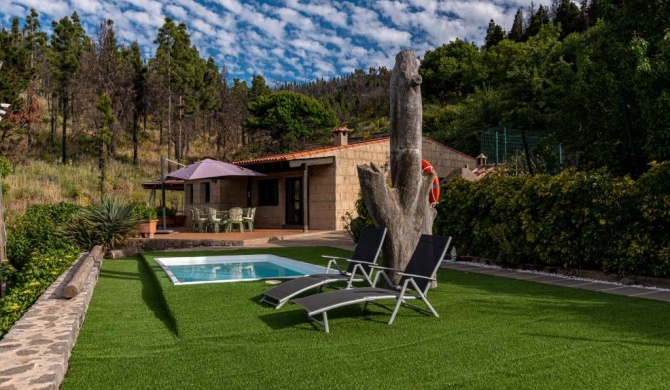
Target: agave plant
{"x": 108, "y": 223}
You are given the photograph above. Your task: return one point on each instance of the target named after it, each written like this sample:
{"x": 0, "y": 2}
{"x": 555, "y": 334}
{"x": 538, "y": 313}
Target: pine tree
{"x": 139, "y": 76}
{"x": 105, "y": 121}
{"x": 35, "y": 43}
{"x": 177, "y": 66}
{"x": 593, "y": 12}
{"x": 494, "y": 34}
{"x": 516, "y": 34}
{"x": 67, "y": 42}
{"x": 536, "y": 20}
{"x": 567, "y": 14}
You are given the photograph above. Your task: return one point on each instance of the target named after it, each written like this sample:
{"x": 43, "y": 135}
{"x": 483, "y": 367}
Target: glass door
{"x": 294, "y": 204}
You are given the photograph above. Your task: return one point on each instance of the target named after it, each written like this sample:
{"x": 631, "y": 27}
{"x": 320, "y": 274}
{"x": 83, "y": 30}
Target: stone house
{"x": 310, "y": 189}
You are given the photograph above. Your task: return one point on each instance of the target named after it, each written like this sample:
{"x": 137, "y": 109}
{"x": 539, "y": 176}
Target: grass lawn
{"x": 141, "y": 332}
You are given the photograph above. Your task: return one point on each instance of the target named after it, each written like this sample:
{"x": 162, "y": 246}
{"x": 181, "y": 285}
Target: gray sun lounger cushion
{"x": 414, "y": 284}
{"x": 358, "y": 269}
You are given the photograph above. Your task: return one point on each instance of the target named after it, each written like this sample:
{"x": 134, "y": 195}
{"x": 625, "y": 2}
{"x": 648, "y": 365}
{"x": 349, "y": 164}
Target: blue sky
{"x": 286, "y": 40}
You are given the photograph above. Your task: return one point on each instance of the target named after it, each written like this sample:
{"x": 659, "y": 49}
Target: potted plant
{"x": 148, "y": 219}
{"x": 171, "y": 217}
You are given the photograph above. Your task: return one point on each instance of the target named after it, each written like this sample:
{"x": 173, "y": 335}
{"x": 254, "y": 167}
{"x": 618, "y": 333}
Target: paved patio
{"x": 584, "y": 284}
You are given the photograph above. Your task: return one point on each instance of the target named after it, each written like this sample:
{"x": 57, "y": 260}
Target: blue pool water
{"x": 213, "y": 269}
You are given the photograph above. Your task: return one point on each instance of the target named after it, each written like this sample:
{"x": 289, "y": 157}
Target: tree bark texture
{"x": 402, "y": 208}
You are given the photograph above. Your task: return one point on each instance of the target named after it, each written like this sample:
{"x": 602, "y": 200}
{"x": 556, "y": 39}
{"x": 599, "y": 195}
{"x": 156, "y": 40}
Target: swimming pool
{"x": 218, "y": 269}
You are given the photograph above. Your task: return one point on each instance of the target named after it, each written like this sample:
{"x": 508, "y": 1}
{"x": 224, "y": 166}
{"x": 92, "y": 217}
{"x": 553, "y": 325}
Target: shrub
{"x": 34, "y": 278}
{"x": 5, "y": 170}
{"x": 650, "y": 242}
{"x": 34, "y": 231}
{"x": 108, "y": 223}
{"x": 354, "y": 225}
{"x": 143, "y": 212}
{"x": 589, "y": 220}
{"x": 169, "y": 211}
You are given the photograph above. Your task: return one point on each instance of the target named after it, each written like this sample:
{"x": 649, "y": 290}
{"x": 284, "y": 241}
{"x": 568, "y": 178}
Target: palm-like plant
{"x": 108, "y": 223}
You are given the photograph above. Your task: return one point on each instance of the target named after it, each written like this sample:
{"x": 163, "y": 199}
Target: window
{"x": 204, "y": 192}
{"x": 189, "y": 192}
{"x": 268, "y": 192}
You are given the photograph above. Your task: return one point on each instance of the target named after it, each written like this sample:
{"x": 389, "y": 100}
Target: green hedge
{"x": 36, "y": 231}
{"x": 36, "y": 256}
{"x": 34, "y": 278}
{"x": 589, "y": 220}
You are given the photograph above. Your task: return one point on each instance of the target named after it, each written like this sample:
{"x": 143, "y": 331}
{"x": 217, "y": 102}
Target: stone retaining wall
{"x": 34, "y": 353}
{"x": 159, "y": 244}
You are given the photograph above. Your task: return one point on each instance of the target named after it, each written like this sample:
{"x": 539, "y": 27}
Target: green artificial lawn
{"x": 141, "y": 332}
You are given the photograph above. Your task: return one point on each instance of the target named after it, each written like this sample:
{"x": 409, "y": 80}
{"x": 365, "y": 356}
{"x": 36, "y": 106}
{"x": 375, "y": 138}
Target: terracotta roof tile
{"x": 308, "y": 153}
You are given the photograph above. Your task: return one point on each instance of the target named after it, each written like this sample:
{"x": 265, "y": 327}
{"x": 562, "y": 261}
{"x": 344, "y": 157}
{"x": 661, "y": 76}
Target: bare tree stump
{"x": 402, "y": 208}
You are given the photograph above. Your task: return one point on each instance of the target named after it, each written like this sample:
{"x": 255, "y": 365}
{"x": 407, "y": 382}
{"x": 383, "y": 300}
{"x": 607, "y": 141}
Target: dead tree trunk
{"x": 402, "y": 208}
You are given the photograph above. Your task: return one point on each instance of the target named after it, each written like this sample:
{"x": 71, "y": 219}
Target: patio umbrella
{"x": 211, "y": 169}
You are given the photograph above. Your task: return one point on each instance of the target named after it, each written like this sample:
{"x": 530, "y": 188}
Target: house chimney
{"x": 481, "y": 160}
{"x": 341, "y": 134}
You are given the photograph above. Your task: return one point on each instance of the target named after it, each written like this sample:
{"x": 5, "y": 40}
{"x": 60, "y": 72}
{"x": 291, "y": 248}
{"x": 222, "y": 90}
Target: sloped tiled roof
{"x": 308, "y": 153}
{"x": 313, "y": 152}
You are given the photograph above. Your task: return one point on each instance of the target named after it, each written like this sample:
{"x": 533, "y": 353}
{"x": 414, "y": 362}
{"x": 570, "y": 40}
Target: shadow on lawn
{"x": 152, "y": 294}
{"x": 118, "y": 275}
{"x": 289, "y": 317}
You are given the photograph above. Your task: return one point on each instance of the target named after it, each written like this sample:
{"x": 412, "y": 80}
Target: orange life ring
{"x": 434, "y": 194}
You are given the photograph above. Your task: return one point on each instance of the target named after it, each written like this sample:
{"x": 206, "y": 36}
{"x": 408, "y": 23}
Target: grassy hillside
{"x": 39, "y": 177}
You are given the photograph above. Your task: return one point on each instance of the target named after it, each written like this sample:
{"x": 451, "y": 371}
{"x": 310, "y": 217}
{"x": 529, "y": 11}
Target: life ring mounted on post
{"x": 434, "y": 194}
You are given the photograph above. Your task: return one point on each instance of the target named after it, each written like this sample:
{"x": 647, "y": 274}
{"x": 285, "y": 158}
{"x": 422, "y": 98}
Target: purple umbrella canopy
{"x": 211, "y": 169}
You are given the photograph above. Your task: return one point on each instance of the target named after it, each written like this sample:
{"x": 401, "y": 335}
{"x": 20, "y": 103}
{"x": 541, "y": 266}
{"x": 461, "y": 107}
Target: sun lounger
{"x": 358, "y": 269}
{"x": 414, "y": 283}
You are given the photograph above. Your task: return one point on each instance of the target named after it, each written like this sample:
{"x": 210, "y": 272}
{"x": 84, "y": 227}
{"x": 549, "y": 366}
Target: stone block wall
{"x": 347, "y": 185}
{"x": 445, "y": 159}
{"x": 333, "y": 189}
{"x": 322, "y": 195}
{"x": 34, "y": 353}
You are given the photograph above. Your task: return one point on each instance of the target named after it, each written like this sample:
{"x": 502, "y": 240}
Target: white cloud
{"x": 87, "y": 6}
{"x": 150, "y": 6}
{"x": 288, "y": 15}
{"x": 322, "y": 10}
{"x": 309, "y": 46}
{"x": 367, "y": 23}
{"x": 274, "y": 27}
{"x": 301, "y": 39}
{"x": 233, "y": 6}
{"x": 202, "y": 26}
{"x": 144, "y": 19}
{"x": 179, "y": 13}
{"x": 55, "y": 9}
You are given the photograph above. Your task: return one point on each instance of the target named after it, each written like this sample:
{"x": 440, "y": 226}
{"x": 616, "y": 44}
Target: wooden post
{"x": 402, "y": 208}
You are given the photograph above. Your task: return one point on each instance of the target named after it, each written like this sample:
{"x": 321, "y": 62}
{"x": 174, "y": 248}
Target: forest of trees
{"x": 594, "y": 77}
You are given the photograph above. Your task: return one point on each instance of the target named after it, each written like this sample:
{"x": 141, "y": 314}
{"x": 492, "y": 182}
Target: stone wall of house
{"x": 322, "y": 197}
{"x": 272, "y": 217}
{"x": 235, "y": 190}
{"x": 445, "y": 159}
{"x": 333, "y": 189}
{"x": 346, "y": 180}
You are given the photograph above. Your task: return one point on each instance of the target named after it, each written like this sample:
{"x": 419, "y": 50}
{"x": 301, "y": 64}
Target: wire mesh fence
{"x": 506, "y": 145}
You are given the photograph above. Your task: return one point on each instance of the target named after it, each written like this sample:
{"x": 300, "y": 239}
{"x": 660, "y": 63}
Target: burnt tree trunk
{"x": 402, "y": 208}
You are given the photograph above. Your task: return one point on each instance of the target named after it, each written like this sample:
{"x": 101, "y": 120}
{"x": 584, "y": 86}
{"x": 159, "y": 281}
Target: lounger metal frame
{"x": 325, "y": 281}
{"x": 398, "y": 292}
{"x": 350, "y": 277}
